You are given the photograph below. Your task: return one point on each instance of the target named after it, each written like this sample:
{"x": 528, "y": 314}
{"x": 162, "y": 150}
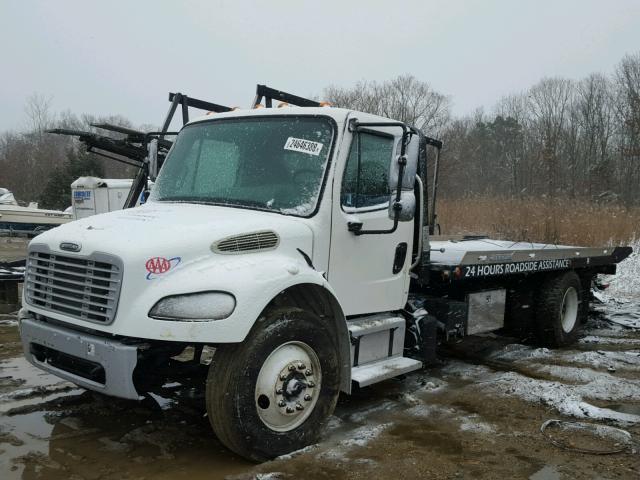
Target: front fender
{"x": 253, "y": 279}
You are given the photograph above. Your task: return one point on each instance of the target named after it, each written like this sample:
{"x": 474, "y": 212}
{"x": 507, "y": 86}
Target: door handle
{"x": 354, "y": 227}
{"x": 400, "y": 257}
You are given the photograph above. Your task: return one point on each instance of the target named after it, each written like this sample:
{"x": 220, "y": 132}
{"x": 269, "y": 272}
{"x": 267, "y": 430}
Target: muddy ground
{"x": 478, "y": 415}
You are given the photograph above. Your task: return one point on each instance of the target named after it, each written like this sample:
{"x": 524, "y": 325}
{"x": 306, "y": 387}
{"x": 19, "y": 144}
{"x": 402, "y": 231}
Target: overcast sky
{"x": 122, "y": 57}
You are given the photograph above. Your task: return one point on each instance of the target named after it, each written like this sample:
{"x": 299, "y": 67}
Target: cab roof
{"x": 340, "y": 115}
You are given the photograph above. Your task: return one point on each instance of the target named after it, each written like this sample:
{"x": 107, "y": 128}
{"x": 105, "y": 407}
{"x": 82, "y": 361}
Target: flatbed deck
{"x": 485, "y": 257}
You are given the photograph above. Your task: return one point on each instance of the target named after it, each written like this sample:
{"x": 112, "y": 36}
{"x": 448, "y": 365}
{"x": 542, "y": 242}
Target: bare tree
{"x": 38, "y": 110}
{"x": 594, "y": 116}
{"x": 29, "y": 158}
{"x": 627, "y": 104}
{"x": 550, "y": 101}
{"x": 403, "y": 98}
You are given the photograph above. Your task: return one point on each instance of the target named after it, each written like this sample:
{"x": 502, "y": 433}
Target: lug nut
{"x": 279, "y": 391}
{"x": 301, "y": 366}
{"x": 311, "y": 384}
{"x": 283, "y": 377}
{"x": 308, "y": 373}
{"x": 290, "y": 410}
{"x": 307, "y": 398}
{"x": 299, "y": 407}
{"x": 292, "y": 368}
{"x": 282, "y": 403}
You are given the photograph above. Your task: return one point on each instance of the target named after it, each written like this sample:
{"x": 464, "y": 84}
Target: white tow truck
{"x": 289, "y": 248}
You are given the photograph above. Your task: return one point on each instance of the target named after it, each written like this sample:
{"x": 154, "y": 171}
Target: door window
{"x": 368, "y": 185}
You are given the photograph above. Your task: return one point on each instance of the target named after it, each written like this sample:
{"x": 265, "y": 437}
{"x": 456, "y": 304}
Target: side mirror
{"x": 410, "y": 169}
{"x": 406, "y": 205}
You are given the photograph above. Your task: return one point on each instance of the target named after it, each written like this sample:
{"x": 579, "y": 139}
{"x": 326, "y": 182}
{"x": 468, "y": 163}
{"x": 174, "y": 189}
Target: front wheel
{"x": 272, "y": 393}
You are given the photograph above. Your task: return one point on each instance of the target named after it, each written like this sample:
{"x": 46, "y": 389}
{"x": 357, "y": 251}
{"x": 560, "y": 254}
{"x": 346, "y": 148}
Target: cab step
{"x": 377, "y": 345}
{"x": 383, "y": 370}
{"x": 376, "y": 337}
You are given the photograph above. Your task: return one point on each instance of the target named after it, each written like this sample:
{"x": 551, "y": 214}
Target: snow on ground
{"x": 363, "y": 435}
{"x": 593, "y": 339}
{"x": 569, "y": 399}
{"x": 573, "y": 382}
{"x": 625, "y": 285}
{"x": 603, "y": 359}
{"x": 474, "y": 423}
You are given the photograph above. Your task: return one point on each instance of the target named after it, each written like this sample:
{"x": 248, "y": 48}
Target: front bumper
{"x": 95, "y": 363}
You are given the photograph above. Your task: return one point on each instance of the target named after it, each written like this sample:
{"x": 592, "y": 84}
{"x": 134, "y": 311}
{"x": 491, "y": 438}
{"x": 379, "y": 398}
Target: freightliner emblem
{"x": 70, "y": 246}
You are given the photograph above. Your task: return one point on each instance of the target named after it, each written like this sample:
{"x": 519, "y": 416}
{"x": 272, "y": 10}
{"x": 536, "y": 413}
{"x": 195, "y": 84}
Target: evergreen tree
{"x": 57, "y": 190}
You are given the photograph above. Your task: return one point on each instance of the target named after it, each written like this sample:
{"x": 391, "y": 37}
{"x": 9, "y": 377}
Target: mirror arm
{"x": 418, "y": 260}
{"x": 434, "y": 191}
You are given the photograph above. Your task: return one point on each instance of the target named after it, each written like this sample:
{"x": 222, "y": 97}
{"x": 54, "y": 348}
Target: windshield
{"x": 275, "y": 163}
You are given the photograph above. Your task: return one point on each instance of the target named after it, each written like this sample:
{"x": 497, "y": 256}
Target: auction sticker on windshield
{"x": 302, "y": 145}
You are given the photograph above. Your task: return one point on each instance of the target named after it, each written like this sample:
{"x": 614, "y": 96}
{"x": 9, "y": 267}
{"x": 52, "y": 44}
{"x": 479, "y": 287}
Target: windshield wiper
{"x": 216, "y": 201}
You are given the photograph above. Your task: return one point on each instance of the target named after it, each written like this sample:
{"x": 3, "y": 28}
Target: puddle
{"x": 101, "y": 438}
{"x": 21, "y": 371}
{"x": 629, "y": 408}
{"x": 546, "y": 473}
{"x": 587, "y": 437}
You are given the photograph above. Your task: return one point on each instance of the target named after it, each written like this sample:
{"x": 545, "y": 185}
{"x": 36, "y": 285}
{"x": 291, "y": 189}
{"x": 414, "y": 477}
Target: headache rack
{"x": 269, "y": 94}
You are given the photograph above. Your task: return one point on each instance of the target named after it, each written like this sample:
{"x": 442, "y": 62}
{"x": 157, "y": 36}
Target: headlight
{"x": 194, "y": 307}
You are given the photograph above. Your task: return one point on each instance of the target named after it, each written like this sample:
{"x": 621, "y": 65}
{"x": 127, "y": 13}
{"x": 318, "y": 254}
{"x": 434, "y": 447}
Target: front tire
{"x": 273, "y": 393}
{"x": 560, "y": 309}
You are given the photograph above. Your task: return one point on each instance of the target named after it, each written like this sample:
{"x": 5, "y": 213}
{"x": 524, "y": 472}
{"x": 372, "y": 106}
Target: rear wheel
{"x": 273, "y": 393}
{"x": 560, "y": 308}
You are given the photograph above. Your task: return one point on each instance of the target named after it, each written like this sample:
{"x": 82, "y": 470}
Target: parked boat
{"x": 30, "y": 219}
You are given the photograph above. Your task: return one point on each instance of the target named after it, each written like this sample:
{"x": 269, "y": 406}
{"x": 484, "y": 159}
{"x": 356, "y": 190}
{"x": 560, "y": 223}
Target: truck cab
{"x": 281, "y": 246}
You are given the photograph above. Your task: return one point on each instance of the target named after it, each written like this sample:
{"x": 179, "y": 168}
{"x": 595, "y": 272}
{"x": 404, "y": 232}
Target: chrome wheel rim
{"x": 288, "y": 386}
{"x": 569, "y": 312}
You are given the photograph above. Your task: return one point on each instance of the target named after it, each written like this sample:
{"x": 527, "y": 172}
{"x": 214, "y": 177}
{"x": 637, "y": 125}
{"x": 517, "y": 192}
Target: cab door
{"x": 369, "y": 273}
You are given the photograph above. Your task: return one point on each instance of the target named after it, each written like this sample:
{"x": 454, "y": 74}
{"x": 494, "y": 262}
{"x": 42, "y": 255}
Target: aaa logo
{"x": 158, "y": 265}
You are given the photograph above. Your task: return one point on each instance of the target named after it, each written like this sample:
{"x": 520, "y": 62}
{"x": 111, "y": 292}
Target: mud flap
{"x": 429, "y": 331}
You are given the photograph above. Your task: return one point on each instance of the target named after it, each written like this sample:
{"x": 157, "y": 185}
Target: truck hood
{"x": 169, "y": 230}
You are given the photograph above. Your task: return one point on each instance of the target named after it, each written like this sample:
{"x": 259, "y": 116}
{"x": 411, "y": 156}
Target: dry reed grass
{"x": 563, "y": 221}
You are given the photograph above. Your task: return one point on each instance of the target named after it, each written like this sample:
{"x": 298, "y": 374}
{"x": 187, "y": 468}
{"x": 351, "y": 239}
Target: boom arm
{"x": 133, "y": 149}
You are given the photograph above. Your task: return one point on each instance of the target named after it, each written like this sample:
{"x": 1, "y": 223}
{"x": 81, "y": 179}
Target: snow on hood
{"x": 185, "y": 229}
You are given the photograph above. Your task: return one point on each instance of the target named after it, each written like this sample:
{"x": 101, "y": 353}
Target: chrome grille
{"x": 248, "y": 242}
{"x": 86, "y": 288}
